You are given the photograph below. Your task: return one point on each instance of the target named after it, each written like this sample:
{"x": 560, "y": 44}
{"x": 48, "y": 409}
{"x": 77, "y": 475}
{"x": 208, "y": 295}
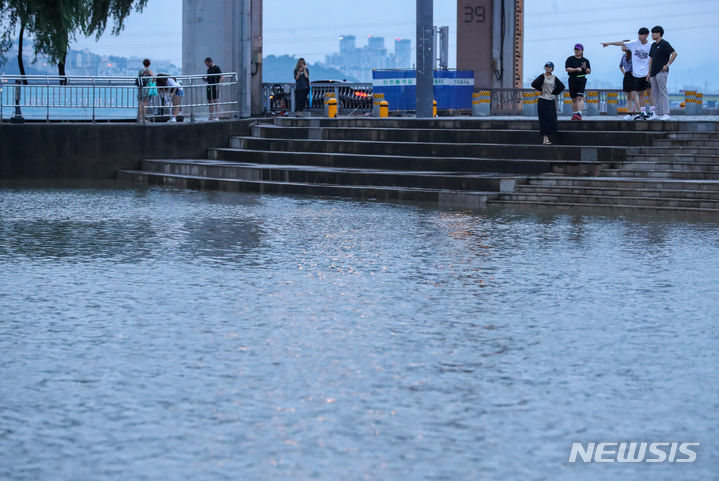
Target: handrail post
{"x": 93, "y": 100}
{"x": 18, "y": 118}
{"x": 47, "y": 99}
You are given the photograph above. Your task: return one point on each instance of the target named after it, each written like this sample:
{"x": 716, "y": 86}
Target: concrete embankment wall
{"x": 97, "y": 151}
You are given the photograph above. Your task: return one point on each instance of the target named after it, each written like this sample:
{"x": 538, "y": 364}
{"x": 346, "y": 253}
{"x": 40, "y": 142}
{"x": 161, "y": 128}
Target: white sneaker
{"x": 640, "y": 116}
{"x": 628, "y": 117}
{"x": 172, "y": 120}
{"x": 665, "y": 117}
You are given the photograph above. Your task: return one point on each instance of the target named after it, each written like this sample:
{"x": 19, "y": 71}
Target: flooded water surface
{"x": 166, "y": 334}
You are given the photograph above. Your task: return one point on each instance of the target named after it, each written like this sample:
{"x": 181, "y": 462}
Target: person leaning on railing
{"x": 147, "y": 88}
{"x": 173, "y": 92}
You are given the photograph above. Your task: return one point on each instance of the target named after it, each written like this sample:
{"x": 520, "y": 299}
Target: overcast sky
{"x": 311, "y": 29}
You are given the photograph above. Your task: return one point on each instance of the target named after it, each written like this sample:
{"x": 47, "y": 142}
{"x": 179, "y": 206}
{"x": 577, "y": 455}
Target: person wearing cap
{"x": 578, "y": 68}
{"x": 640, "y": 49}
{"x": 549, "y": 86}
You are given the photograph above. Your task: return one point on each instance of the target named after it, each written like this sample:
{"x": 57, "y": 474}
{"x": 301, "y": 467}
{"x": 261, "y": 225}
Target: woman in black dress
{"x": 549, "y": 86}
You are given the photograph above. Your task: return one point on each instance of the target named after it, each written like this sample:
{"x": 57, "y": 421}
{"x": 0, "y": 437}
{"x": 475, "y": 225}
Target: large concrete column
{"x": 490, "y": 41}
{"x": 231, "y": 33}
{"x": 425, "y": 57}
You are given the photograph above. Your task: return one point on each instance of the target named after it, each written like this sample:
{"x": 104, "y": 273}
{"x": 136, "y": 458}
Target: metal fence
{"x": 55, "y": 98}
{"x": 352, "y": 98}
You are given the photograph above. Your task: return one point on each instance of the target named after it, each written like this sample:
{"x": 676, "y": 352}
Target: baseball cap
{"x": 579, "y": 46}
{"x": 549, "y": 64}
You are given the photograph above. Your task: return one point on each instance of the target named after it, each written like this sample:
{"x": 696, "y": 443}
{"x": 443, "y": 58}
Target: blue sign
{"x": 452, "y": 88}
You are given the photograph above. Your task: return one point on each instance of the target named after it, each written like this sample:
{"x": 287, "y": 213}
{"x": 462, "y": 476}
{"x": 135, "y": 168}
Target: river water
{"x": 168, "y": 334}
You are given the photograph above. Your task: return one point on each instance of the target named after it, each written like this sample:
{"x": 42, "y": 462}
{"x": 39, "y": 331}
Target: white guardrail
{"x": 55, "y": 98}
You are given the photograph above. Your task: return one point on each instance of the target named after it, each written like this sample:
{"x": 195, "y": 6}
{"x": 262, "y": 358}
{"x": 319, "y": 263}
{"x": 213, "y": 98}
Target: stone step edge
{"x": 492, "y": 202}
{"x": 529, "y": 188}
{"x": 490, "y": 194}
{"x": 563, "y": 195}
{"x": 381, "y": 156}
{"x": 533, "y": 131}
{"x": 349, "y": 170}
{"x": 395, "y": 142}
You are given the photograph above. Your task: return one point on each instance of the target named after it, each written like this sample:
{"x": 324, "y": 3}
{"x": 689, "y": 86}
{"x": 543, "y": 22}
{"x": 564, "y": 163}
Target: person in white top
{"x": 177, "y": 93}
{"x": 640, "y": 49}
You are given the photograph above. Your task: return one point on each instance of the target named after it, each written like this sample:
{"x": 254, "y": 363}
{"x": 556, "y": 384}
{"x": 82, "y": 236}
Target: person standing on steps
{"x": 549, "y": 86}
{"x": 214, "y": 77}
{"x": 661, "y": 56}
{"x": 640, "y": 69}
{"x": 625, "y": 66}
{"x": 302, "y": 85}
{"x": 578, "y": 68}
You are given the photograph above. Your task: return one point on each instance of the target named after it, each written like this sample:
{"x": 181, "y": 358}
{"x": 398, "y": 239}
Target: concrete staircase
{"x": 461, "y": 161}
{"x": 678, "y": 172}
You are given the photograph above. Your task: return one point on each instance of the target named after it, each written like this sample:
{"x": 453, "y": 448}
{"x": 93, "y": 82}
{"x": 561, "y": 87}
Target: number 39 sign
{"x": 474, "y": 39}
{"x": 476, "y": 14}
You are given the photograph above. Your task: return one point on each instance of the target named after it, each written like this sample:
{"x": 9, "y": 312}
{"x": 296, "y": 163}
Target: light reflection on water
{"x": 159, "y": 334}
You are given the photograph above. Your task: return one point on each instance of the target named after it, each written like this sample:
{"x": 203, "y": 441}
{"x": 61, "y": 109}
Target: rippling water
{"x": 164, "y": 334}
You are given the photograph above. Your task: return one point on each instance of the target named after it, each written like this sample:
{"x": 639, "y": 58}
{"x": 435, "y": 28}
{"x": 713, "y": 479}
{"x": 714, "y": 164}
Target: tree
{"x": 53, "y": 24}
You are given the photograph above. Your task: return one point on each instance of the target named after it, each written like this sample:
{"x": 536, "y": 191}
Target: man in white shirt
{"x": 640, "y": 49}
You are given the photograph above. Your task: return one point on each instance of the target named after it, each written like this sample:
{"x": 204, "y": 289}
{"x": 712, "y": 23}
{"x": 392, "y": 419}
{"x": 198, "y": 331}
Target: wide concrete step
{"x": 432, "y": 149}
{"x": 686, "y": 143}
{"x": 666, "y": 185}
{"x": 668, "y": 165}
{"x": 308, "y": 174}
{"x": 619, "y": 192}
{"x": 672, "y": 151}
{"x": 478, "y": 123}
{"x": 472, "y": 136}
{"x": 714, "y": 135}
{"x": 680, "y": 158}
{"x": 666, "y": 174}
{"x": 582, "y": 206}
{"x": 640, "y": 201}
{"x": 387, "y": 162}
{"x": 467, "y": 199}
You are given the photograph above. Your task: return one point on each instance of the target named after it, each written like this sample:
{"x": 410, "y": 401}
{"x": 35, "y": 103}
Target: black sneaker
{"x": 640, "y": 116}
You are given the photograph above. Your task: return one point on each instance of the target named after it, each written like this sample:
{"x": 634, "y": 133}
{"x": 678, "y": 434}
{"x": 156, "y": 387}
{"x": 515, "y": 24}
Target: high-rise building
{"x": 402, "y": 53}
{"x": 358, "y": 62}
{"x": 347, "y": 44}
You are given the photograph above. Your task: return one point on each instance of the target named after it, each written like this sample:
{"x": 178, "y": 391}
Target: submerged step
{"x": 334, "y": 175}
{"x": 469, "y": 199}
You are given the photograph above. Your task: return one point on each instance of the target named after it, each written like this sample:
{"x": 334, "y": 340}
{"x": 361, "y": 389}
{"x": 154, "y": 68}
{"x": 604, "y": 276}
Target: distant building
{"x": 402, "y": 53}
{"x": 358, "y": 62}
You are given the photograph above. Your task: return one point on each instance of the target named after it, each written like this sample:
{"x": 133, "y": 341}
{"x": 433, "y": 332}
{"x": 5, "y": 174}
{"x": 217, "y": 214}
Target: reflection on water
{"x": 162, "y": 334}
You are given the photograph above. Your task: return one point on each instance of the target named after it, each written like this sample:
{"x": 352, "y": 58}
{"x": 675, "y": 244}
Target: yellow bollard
{"x": 332, "y": 107}
{"x": 434, "y": 108}
{"x": 384, "y": 108}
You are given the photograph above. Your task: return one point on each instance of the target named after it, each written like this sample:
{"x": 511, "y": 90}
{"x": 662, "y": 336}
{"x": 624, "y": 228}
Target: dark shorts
{"x": 628, "y": 82}
{"x": 641, "y": 84}
{"x": 211, "y": 92}
{"x": 576, "y": 86}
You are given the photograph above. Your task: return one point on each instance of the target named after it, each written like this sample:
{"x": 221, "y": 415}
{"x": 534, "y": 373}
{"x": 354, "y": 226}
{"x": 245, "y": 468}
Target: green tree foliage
{"x": 53, "y": 24}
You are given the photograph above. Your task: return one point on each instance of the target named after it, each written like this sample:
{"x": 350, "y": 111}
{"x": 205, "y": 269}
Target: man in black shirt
{"x": 661, "y": 56}
{"x": 213, "y": 78}
{"x": 578, "y": 68}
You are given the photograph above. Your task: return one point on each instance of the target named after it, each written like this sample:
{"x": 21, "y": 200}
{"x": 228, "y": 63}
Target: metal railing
{"x": 352, "y": 98}
{"x": 84, "y": 98}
